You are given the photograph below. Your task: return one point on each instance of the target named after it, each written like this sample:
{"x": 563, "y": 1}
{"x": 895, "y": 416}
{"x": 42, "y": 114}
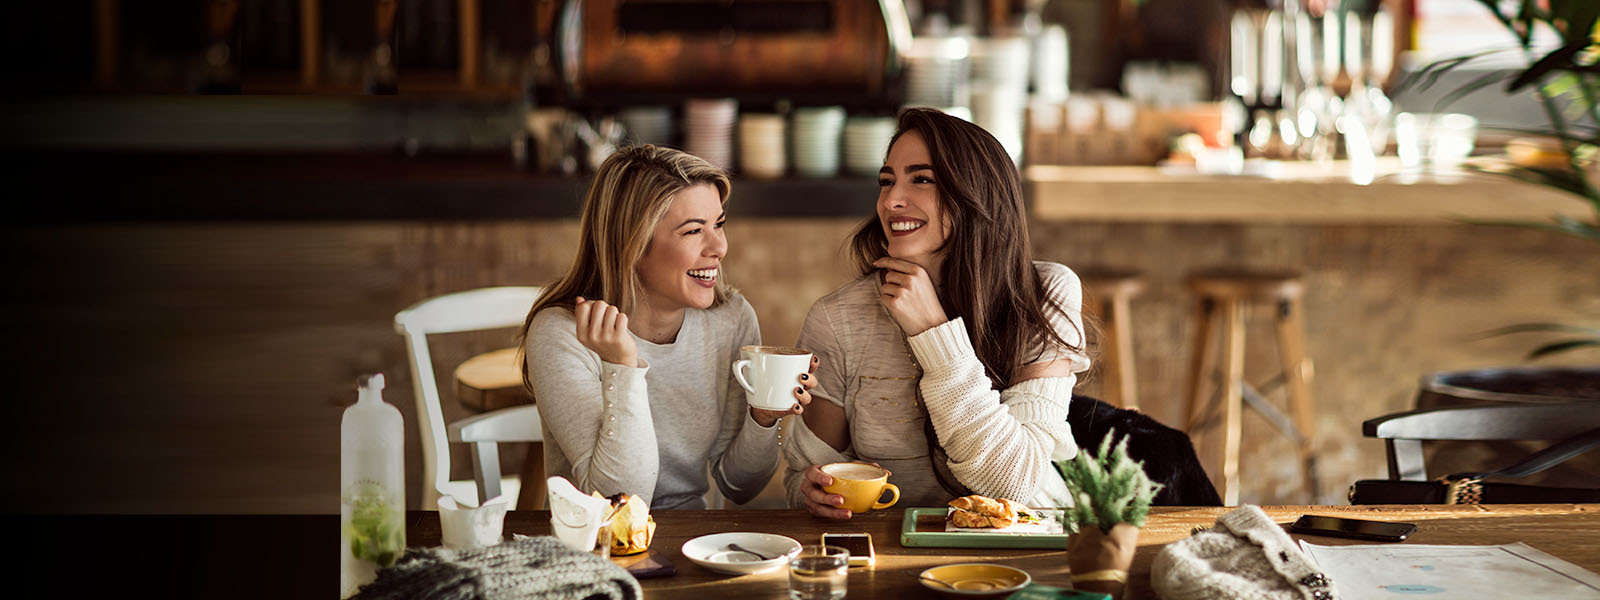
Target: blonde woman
{"x": 629, "y": 354}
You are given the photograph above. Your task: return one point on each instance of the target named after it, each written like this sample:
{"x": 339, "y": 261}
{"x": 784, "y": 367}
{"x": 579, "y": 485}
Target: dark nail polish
{"x": 805, "y": 377}
{"x": 799, "y": 390}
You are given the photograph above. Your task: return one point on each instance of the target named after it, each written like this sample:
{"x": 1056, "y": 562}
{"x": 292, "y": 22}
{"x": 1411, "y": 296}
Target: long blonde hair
{"x": 632, "y": 190}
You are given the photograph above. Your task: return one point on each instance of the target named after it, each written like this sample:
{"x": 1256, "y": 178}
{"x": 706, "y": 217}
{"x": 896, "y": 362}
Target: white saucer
{"x": 712, "y": 552}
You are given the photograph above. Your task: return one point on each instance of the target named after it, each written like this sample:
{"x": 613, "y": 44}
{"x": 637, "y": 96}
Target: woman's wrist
{"x": 763, "y": 418}
{"x": 942, "y": 344}
{"x": 626, "y": 360}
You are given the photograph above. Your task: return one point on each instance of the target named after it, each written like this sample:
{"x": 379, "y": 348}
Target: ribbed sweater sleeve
{"x": 745, "y": 454}
{"x": 598, "y": 412}
{"x": 989, "y": 434}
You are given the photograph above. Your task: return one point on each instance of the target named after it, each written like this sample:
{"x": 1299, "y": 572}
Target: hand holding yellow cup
{"x": 861, "y": 485}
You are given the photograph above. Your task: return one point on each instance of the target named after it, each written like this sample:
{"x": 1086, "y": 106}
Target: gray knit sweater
{"x": 656, "y": 430}
{"x": 538, "y": 567}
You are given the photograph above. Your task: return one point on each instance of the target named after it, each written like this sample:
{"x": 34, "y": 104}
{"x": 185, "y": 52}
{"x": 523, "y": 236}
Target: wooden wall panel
{"x": 203, "y": 368}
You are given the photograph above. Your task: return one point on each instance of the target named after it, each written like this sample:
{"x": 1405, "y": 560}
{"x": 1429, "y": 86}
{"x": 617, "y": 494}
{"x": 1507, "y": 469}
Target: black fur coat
{"x": 1167, "y": 453}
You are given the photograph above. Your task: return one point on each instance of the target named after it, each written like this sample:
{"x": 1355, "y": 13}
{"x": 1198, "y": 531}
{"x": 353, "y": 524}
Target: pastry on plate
{"x": 982, "y": 512}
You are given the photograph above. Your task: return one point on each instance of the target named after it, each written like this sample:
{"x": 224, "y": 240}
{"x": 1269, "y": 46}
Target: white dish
{"x": 713, "y": 553}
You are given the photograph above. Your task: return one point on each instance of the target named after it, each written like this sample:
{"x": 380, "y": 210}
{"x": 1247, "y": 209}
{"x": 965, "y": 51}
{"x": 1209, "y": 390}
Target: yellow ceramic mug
{"x": 861, "y": 485}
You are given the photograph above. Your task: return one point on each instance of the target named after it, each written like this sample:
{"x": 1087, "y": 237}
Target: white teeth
{"x": 905, "y": 225}
{"x": 706, "y": 274}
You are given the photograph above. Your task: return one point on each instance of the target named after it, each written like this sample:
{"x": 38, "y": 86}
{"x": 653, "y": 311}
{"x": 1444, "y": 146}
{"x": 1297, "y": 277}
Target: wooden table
{"x": 1568, "y": 531}
{"x": 296, "y": 556}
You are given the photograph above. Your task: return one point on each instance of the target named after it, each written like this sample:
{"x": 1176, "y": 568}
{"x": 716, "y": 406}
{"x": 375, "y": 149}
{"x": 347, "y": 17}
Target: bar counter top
{"x": 1300, "y": 193}
{"x": 120, "y": 187}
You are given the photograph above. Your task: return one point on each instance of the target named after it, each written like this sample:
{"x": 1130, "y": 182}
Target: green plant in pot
{"x": 1111, "y": 497}
{"x": 1566, "y": 83}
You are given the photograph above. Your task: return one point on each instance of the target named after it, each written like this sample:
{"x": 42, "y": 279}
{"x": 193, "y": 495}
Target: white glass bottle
{"x": 372, "y": 511}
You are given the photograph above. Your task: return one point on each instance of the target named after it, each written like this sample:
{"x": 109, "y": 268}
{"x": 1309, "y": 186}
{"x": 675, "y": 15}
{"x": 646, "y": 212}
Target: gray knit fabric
{"x": 1246, "y": 556}
{"x": 527, "y": 567}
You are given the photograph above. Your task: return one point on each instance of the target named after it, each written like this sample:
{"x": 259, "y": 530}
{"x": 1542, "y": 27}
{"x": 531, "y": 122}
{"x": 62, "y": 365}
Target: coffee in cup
{"x": 861, "y": 485}
{"x": 769, "y": 375}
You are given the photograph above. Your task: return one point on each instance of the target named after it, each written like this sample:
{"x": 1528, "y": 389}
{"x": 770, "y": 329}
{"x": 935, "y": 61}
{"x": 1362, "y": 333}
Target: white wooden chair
{"x": 472, "y": 310}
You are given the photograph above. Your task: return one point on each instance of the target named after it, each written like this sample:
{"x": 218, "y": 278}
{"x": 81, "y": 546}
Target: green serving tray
{"x": 910, "y": 536}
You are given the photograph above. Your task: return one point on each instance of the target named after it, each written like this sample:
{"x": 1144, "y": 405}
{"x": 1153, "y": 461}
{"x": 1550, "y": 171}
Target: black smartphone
{"x": 1360, "y": 529}
{"x": 647, "y": 565}
{"x": 859, "y": 545}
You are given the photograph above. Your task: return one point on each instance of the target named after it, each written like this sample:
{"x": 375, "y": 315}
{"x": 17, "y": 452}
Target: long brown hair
{"x": 987, "y": 277}
{"x": 631, "y": 191}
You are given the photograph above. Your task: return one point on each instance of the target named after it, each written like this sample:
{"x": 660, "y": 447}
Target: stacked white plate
{"x": 761, "y": 147}
{"x": 999, "y": 80}
{"x": 816, "y": 140}
{"x": 647, "y": 124}
{"x": 866, "y": 142}
{"x": 936, "y": 71}
{"x": 1000, "y": 111}
{"x": 1000, "y": 62}
{"x": 708, "y": 129}
{"x": 1050, "y": 60}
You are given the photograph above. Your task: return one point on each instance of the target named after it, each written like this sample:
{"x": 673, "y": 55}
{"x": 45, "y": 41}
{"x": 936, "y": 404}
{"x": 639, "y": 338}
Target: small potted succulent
{"x": 1111, "y": 496}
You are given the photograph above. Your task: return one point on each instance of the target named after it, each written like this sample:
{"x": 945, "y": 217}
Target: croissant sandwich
{"x": 984, "y": 512}
{"x": 631, "y": 525}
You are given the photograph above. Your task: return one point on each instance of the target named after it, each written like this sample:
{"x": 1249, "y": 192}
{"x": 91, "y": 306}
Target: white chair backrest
{"x": 472, "y": 310}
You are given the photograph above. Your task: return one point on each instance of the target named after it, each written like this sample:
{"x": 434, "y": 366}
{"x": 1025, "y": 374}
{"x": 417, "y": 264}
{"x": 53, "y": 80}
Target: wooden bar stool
{"x": 492, "y": 381}
{"x": 1106, "y": 295}
{"x": 1228, "y": 293}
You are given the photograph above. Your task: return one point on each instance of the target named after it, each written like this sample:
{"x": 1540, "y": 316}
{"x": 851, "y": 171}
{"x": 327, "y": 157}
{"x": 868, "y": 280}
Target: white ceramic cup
{"x": 769, "y": 375}
{"x": 471, "y": 527}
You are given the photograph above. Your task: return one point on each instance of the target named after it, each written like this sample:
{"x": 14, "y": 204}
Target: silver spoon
{"x": 930, "y": 578}
{"x": 738, "y": 548}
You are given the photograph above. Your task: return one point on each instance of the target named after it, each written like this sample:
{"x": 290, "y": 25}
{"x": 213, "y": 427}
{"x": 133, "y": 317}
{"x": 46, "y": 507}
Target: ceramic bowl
{"x": 712, "y": 552}
{"x": 975, "y": 580}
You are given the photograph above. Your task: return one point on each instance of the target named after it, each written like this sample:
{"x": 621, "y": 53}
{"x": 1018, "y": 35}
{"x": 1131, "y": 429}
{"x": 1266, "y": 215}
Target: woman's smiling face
{"x": 680, "y": 268}
{"x": 908, "y": 203}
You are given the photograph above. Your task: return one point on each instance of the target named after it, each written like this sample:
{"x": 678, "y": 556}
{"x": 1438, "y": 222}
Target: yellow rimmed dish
{"x": 974, "y": 580}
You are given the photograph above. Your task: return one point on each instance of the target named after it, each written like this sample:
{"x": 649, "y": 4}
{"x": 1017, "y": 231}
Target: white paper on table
{"x": 1047, "y": 524}
{"x": 1394, "y": 572}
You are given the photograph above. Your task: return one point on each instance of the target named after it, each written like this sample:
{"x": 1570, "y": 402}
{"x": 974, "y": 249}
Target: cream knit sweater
{"x": 999, "y": 442}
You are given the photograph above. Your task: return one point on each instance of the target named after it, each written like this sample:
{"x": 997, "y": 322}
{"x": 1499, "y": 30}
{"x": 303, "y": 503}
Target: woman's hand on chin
{"x": 907, "y": 291}
{"x": 604, "y": 329}
{"x": 802, "y": 399}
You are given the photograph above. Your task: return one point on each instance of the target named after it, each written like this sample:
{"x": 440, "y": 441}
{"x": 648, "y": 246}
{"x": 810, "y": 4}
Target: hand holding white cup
{"x": 769, "y": 375}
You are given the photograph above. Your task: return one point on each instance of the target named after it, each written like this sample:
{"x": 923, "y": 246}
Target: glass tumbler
{"x": 1437, "y": 142}
{"x": 818, "y": 573}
